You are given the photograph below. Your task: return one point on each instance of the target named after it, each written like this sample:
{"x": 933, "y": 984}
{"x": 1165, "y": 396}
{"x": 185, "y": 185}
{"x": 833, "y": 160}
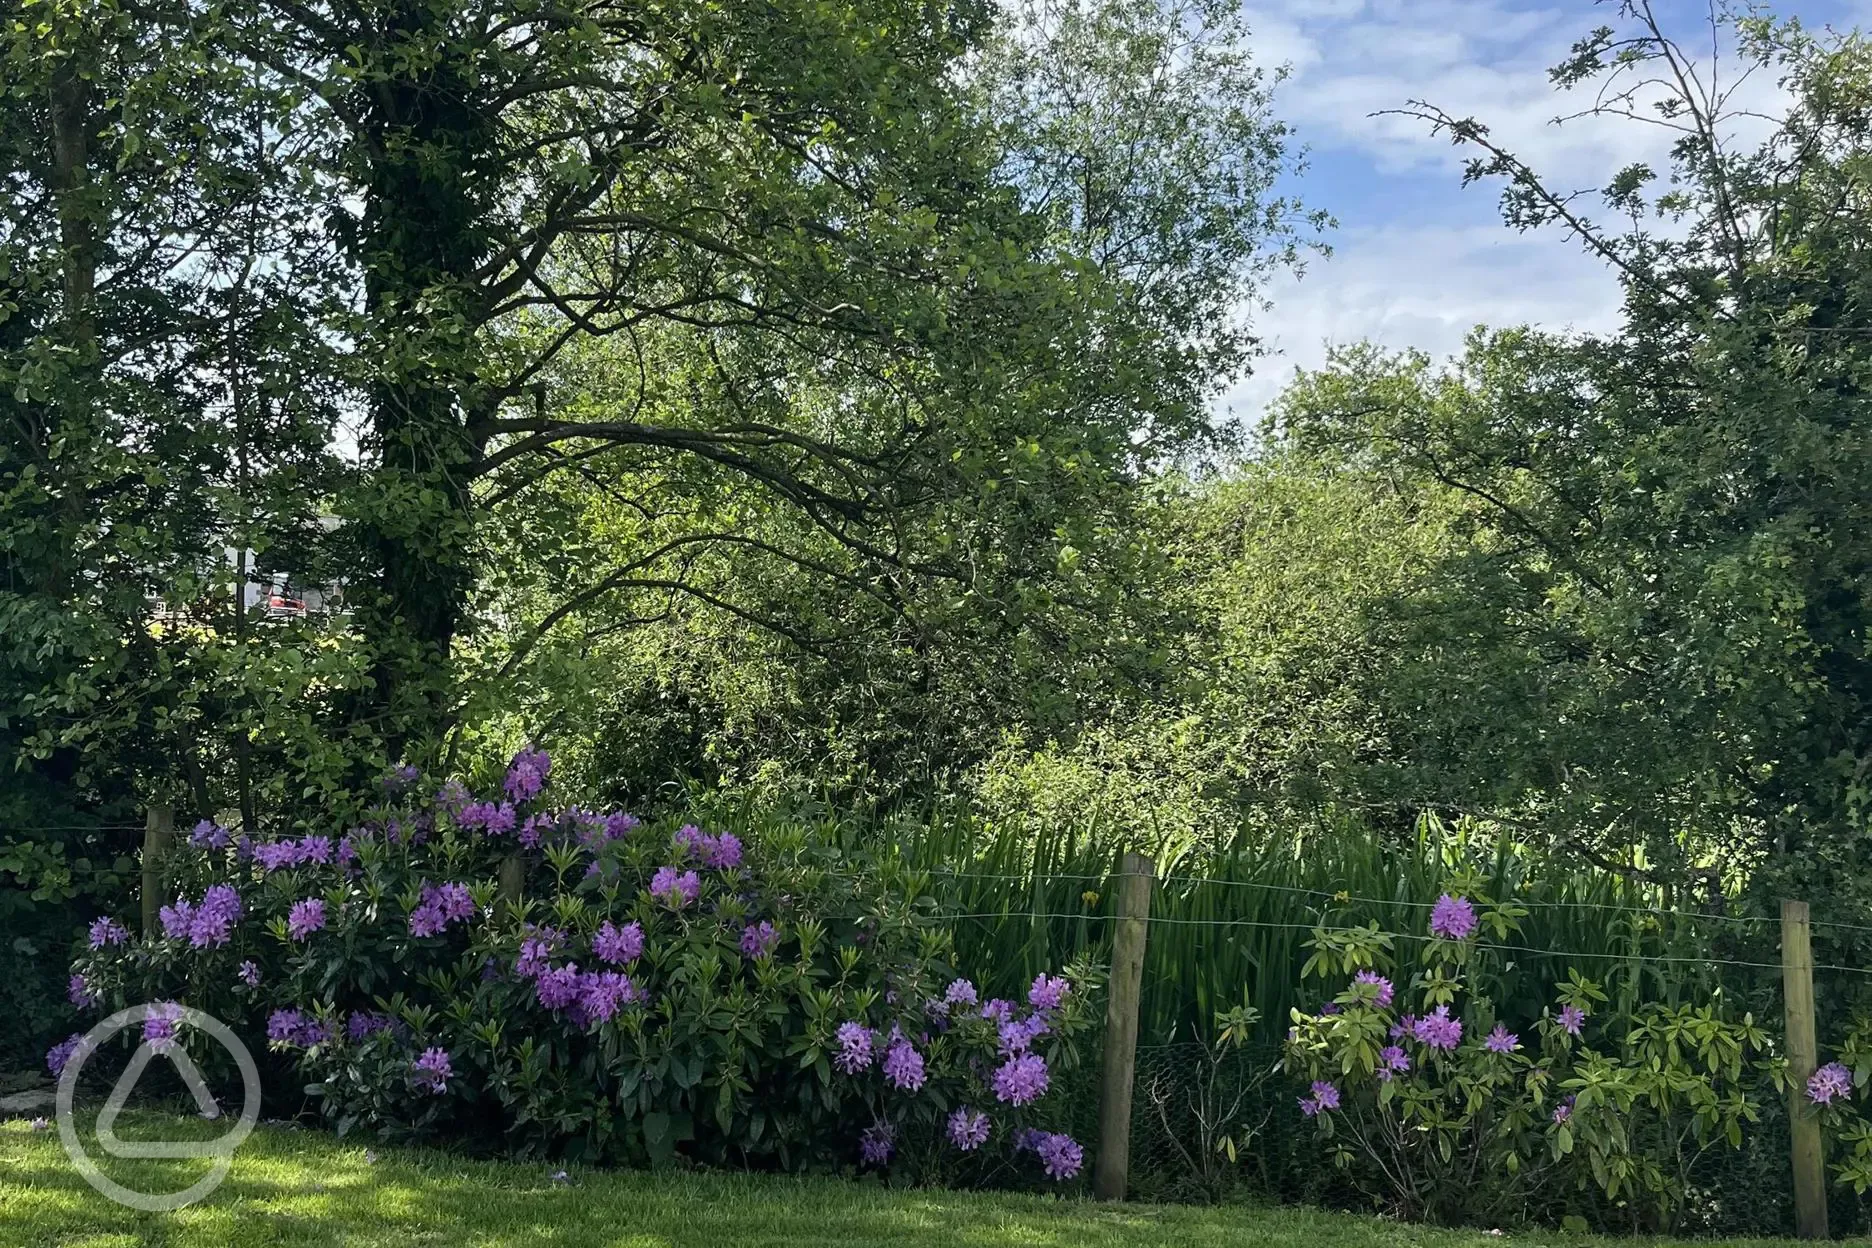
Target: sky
{"x": 1418, "y": 259}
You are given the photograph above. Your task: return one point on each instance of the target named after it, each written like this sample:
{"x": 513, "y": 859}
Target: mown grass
{"x": 305, "y": 1189}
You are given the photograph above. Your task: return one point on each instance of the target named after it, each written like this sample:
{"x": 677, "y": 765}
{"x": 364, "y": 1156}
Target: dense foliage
{"x": 557, "y": 980}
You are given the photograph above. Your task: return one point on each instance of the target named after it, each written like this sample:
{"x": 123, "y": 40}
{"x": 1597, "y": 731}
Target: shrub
{"x": 1438, "y": 1107}
{"x": 564, "y": 981}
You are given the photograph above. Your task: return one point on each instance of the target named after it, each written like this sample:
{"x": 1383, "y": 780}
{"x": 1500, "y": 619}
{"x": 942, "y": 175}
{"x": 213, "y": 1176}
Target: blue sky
{"x": 1419, "y": 259}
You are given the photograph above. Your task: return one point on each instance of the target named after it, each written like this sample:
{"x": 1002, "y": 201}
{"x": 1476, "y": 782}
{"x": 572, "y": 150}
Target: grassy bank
{"x": 305, "y": 1189}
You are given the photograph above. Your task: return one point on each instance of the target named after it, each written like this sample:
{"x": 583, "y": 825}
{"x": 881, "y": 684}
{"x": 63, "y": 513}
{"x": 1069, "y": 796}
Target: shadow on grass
{"x": 304, "y": 1189}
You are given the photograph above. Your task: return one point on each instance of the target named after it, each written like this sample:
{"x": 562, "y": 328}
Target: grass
{"x": 306, "y": 1189}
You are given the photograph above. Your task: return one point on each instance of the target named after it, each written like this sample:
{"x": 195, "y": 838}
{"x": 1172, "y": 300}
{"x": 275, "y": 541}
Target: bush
{"x": 577, "y": 984}
{"x": 1424, "y": 1095}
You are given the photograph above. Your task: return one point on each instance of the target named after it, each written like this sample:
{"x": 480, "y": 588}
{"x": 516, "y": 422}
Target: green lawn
{"x": 293, "y": 1188}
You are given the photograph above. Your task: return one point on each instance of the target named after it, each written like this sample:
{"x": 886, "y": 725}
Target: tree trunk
{"x": 420, "y": 244}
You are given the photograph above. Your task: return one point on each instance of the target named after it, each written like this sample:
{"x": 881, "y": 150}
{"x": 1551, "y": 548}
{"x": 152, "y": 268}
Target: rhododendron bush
{"x": 1437, "y": 1105}
{"x": 499, "y": 969}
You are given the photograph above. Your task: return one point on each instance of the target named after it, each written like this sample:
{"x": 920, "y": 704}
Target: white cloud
{"x": 1425, "y": 287}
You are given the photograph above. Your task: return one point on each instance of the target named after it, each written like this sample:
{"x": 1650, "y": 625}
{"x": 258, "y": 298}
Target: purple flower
{"x": 160, "y": 1026}
{"x": 1060, "y": 1154}
{"x": 618, "y": 824}
{"x": 875, "y": 1143}
{"x": 526, "y": 776}
{"x": 249, "y": 974}
{"x": 441, "y": 906}
{"x": 1027, "y": 1139}
{"x": 1383, "y": 998}
{"x": 903, "y": 1066}
{"x": 723, "y": 853}
{"x": 107, "y": 932}
{"x": 1453, "y": 918}
{"x": 1328, "y": 1009}
{"x": 306, "y": 917}
{"x": 1406, "y": 1025}
{"x": 1563, "y": 1112}
{"x": 61, "y": 1053}
{"x": 175, "y": 919}
{"x": 209, "y": 835}
{"x": 673, "y": 889}
{"x": 604, "y": 992}
{"x": 536, "y": 949}
{"x": 1019, "y": 1037}
{"x": 1831, "y": 1081}
{"x": 277, "y": 855}
{"x": 453, "y": 797}
{"x": 1047, "y": 992}
{"x": 557, "y": 988}
{"x": 998, "y": 1010}
{"x": 854, "y": 1053}
{"x": 759, "y": 940}
{"x": 316, "y": 849}
{"x": 362, "y": 1026}
{"x": 1022, "y": 1080}
{"x": 401, "y": 778}
{"x": 1501, "y": 1040}
{"x": 1392, "y": 1062}
{"x": 211, "y": 923}
{"x": 1325, "y": 1095}
{"x": 80, "y": 993}
{"x": 619, "y": 946}
{"x": 960, "y": 992}
{"x": 1438, "y": 1030}
{"x": 968, "y": 1129}
{"x": 285, "y": 1026}
{"x": 1309, "y": 1106}
{"x": 432, "y": 1071}
{"x": 1572, "y": 1018}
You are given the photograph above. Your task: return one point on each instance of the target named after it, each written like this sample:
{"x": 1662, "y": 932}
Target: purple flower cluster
{"x": 495, "y": 820}
{"x": 1452, "y": 918}
{"x": 248, "y": 973}
{"x": 80, "y": 993}
{"x": 876, "y": 1142}
{"x": 1060, "y": 1154}
{"x": 1382, "y": 998}
{"x": 108, "y": 932}
{"x": 960, "y": 992}
{"x": 1325, "y": 1096}
{"x": 160, "y": 1026}
{"x": 1021, "y": 1080}
{"x": 526, "y": 775}
{"x": 587, "y": 996}
{"x": 209, "y": 835}
{"x": 1018, "y": 1037}
{"x": 1831, "y": 1082}
{"x": 296, "y": 1029}
{"x": 968, "y": 1129}
{"x": 1048, "y": 992}
{"x": 1438, "y": 1030}
{"x": 758, "y": 940}
{"x": 1572, "y": 1018}
{"x": 362, "y": 1026}
{"x": 305, "y": 917}
{"x": 432, "y": 1071}
{"x": 61, "y": 1053}
{"x": 441, "y": 906}
{"x": 675, "y": 889}
{"x": 1392, "y": 1062}
{"x": 279, "y": 855}
{"x": 903, "y": 1065}
{"x": 1563, "y": 1112}
{"x": 855, "y": 1043}
{"x": 620, "y": 946}
{"x": 401, "y": 779}
{"x": 1501, "y": 1040}
{"x": 718, "y": 853}
{"x": 205, "y": 924}
{"x": 537, "y": 947}
{"x": 997, "y": 1010}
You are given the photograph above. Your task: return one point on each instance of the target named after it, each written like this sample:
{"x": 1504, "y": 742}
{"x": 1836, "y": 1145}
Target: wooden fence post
{"x": 1810, "y": 1201}
{"x": 158, "y": 832}
{"x": 1113, "y": 1166}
